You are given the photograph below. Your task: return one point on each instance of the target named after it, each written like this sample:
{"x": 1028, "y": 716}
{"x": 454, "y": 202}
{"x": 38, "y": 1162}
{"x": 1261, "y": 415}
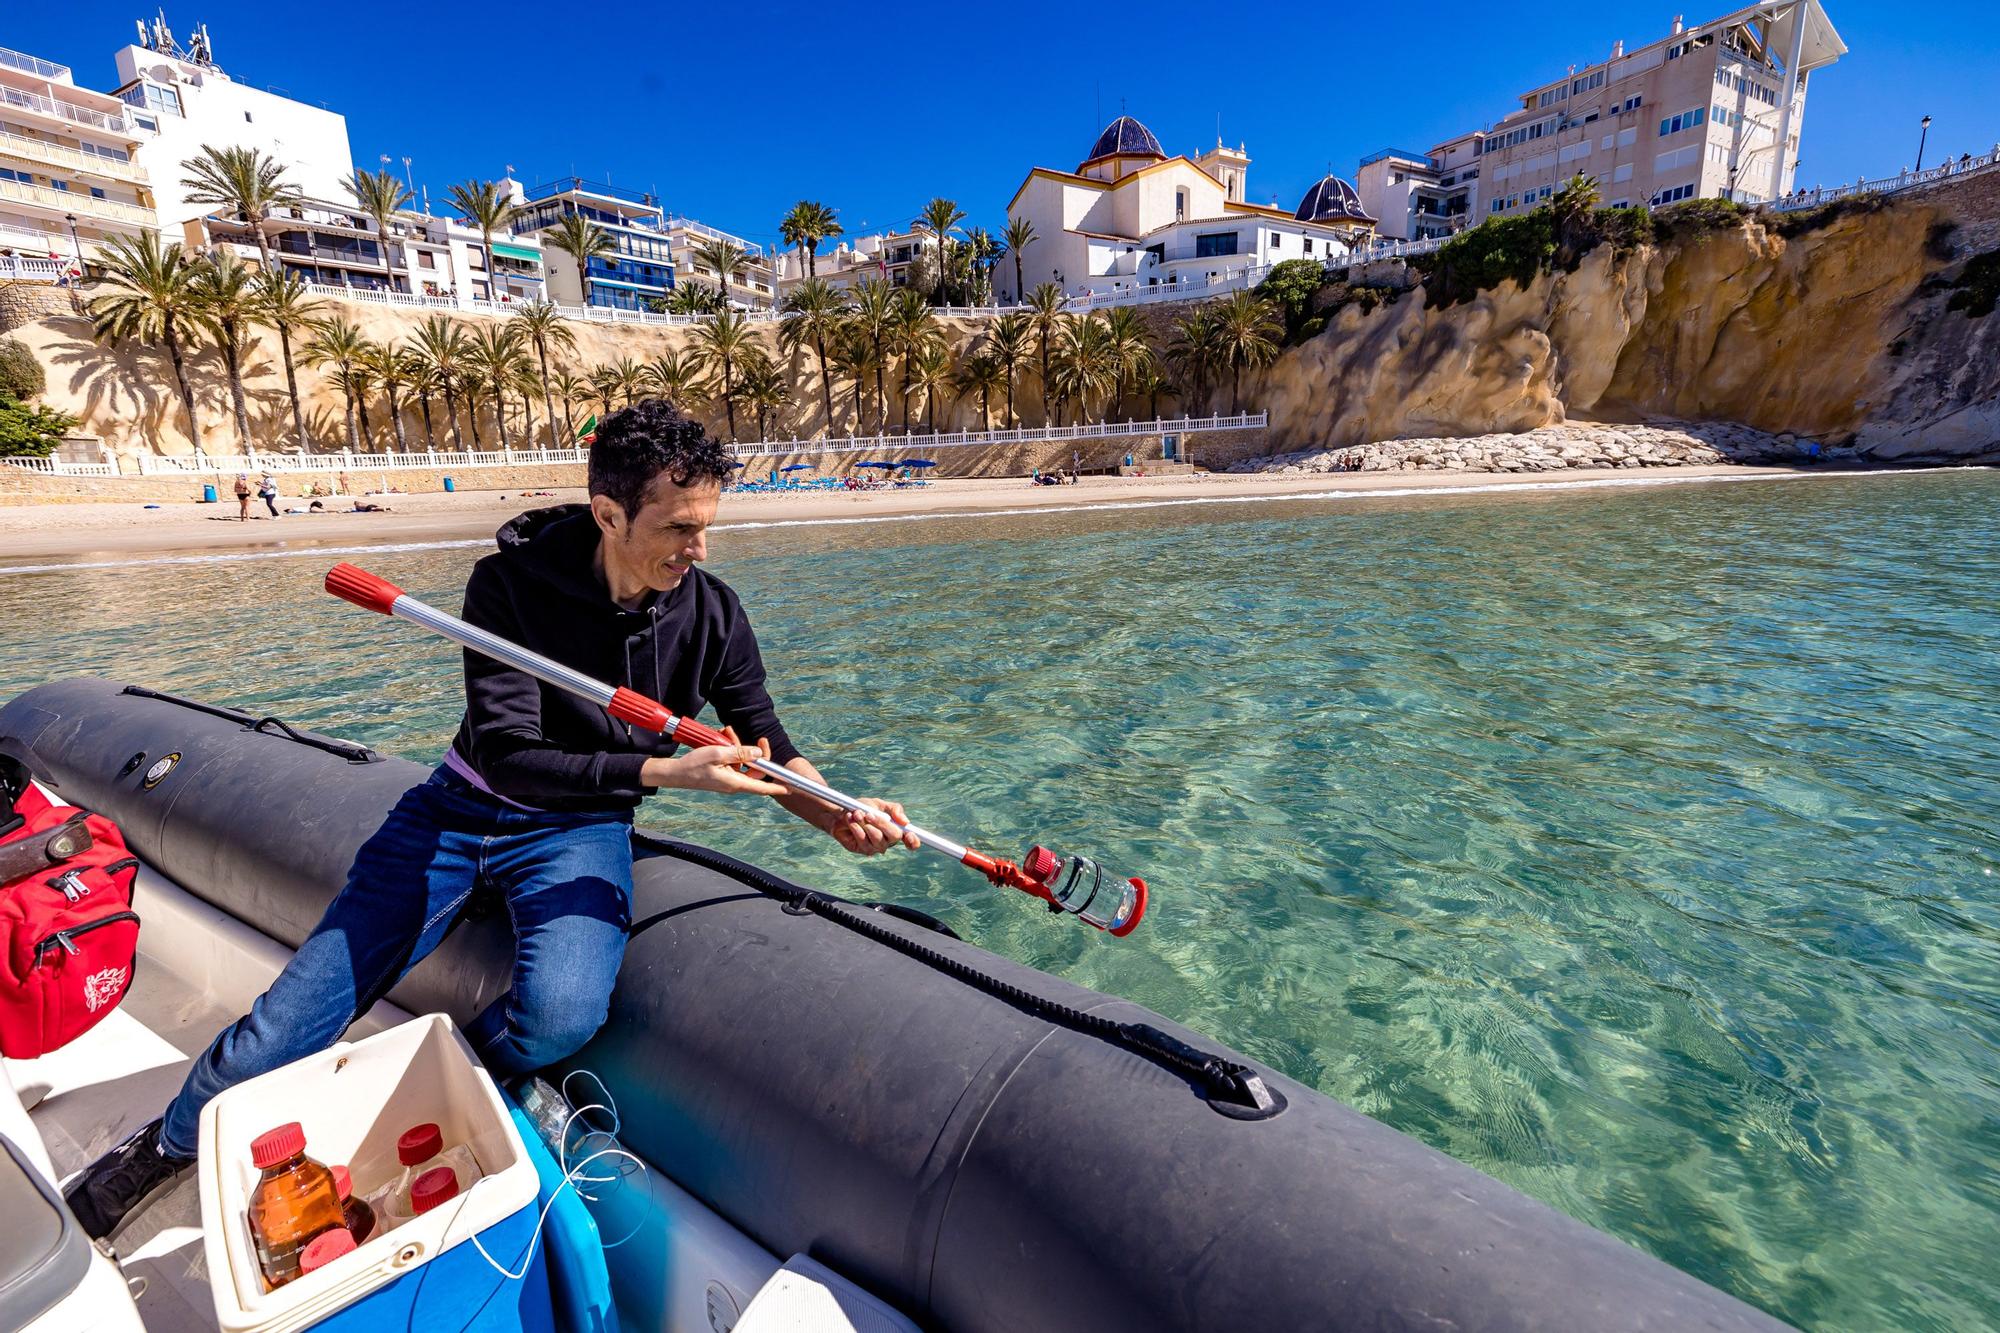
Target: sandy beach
{"x": 82, "y": 532}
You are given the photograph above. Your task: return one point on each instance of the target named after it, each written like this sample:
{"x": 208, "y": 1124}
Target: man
{"x": 536, "y": 795}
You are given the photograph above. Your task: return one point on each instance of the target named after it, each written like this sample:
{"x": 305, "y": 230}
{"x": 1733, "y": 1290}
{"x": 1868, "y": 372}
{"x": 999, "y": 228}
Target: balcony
{"x": 35, "y": 65}
{"x": 70, "y": 159}
{"x": 69, "y": 201}
{"x": 327, "y": 254}
{"x": 37, "y": 104}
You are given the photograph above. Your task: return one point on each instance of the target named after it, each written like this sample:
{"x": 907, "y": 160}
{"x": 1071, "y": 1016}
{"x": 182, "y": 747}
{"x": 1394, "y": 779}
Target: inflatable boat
{"x": 967, "y": 1142}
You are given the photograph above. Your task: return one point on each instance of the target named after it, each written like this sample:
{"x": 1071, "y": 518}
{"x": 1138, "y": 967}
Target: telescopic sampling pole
{"x": 1074, "y": 884}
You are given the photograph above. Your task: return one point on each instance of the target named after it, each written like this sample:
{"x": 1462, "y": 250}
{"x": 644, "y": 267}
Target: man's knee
{"x": 557, "y": 1017}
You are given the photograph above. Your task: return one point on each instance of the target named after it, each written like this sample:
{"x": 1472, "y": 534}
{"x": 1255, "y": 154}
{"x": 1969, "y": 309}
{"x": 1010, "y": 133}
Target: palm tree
{"x": 284, "y": 304}
{"x": 912, "y": 328}
{"x": 630, "y": 378}
{"x": 726, "y": 259}
{"x": 1249, "y": 333}
{"x": 1020, "y": 234}
{"x": 1129, "y": 348}
{"x": 928, "y": 371}
{"x": 570, "y": 386}
{"x": 393, "y": 368}
{"x": 582, "y": 240}
{"x": 694, "y": 297}
{"x": 813, "y": 312}
{"x": 1147, "y": 379}
{"x": 1194, "y": 353}
{"x": 764, "y": 391}
{"x": 469, "y": 380}
{"x": 873, "y": 319}
{"x": 722, "y": 341}
{"x": 981, "y": 253}
{"x": 981, "y": 374}
{"x": 356, "y": 384}
{"x": 440, "y": 347}
{"x": 1085, "y": 366}
{"x": 495, "y": 357}
{"x": 338, "y": 343}
{"x": 1011, "y": 337}
{"x": 941, "y": 218}
{"x": 242, "y": 180}
{"x": 486, "y": 205}
{"x": 147, "y": 293}
{"x": 853, "y": 357}
{"x": 1573, "y": 203}
{"x": 226, "y": 297}
{"x": 805, "y": 225}
{"x": 381, "y": 195}
{"x": 674, "y": 376}
{"x": 424, "y": 383}
{"x": 542, "y": 324}
{"x": 1045, "y": 314}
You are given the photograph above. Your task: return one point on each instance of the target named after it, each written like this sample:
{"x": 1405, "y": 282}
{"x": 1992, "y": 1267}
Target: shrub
{"x": 20, "y": 374}
{"x": 1977, "y": 291}
{"x": 1693, "y": 219}
{"x": 30, "y": 432}
{"x": 1494, "y": 252}
{"x": 1623, "y": 229}
{"x": 1812, "y": 219}
{"x": 1290, "y": 286}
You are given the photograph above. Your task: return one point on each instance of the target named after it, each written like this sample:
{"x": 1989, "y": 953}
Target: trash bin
{"x": 448, "y": 486}
{"x": 354, "y": 1100}
{"x": 208, "y": 493}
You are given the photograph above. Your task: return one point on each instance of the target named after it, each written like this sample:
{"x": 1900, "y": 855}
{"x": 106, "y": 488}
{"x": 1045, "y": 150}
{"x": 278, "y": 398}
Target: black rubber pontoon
{"x": 937, "y": 1143}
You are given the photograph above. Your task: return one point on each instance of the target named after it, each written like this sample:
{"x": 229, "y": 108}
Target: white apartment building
{"x": 755, "y": 285}
{"x": 182, "y": 101}
{"x": 885, "y": 256}
{"x": 1131, "y": 217}
{"x": 70, "y": 174}
{"x": 1710, "y": 111}
{"x": 1418, "y": 196}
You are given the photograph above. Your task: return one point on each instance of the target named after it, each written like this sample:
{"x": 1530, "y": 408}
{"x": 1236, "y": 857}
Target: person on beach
{"x": 267, "y": 490}
{"x": 243, "y": 497}
{"x": 536, "y": 794}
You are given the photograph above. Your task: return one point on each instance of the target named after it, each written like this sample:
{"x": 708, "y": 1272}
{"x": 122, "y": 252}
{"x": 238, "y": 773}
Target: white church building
{"x": 1131, "y": 217}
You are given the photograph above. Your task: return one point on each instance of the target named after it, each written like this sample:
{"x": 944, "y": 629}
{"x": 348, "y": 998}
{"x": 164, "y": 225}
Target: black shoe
{"x": 118, "y": 1184}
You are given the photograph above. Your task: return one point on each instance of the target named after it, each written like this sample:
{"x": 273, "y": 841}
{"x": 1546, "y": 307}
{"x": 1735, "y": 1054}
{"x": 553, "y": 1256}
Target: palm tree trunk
{"x": 1045, "y": 379}
{"x": 353, "y": 439}
{"x": 500, "y": 417}
{"x": 472, "y": 416}
{"x": 382, "y": 239}
{"x": 492, "y": 278}
{"x": 1020, "y": 292}
{"x": 233, "y": 361}
{"x": 729, "y": 397}
{"x": 1236, "y": 389}
{"x": 396, "y": 417}
{"x": 528, "y": 418}
{"x": 881, "y": 395}
{"x": 906, "y": 394}
{"x": 430, "y": 436}
{"x": 171, "y": 336}
{"x": 548, "y": 395}
{"x": 1012, "y": 420}
{"x": 367, "y": 431}
{"x": 451, "y": 411}
{"x": 985, "y": 408}
{"x": 292, "y": 385}
{"x": 857, "y": 406}
{"x": 825, "y": 380}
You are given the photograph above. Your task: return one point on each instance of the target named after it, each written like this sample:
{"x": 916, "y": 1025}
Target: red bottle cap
{"x": 419, "y": 1143}
{"x": 1041, "y": 863}
{"x": 343, "y": 1184}
{"x": 432, "y": 1188}
{"x": 324, "y": 1248}
{"x": 275, "y": 1145}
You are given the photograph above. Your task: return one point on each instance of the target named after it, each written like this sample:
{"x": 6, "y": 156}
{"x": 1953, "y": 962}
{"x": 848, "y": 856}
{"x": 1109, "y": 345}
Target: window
{"x": 1208, "y": 245}
{"x": 476, "y": 259}
{"x": 1309, "y": 245}
{"x": 1675, "y": 195}
{"x": 425, "y": 259}
{"x": 1180, "y": 204}
{"x": 55, "y": 184}
{"x": 96, "y": 193}
{"x": 1495, "y": 205}
{"x": 246, "y": 118}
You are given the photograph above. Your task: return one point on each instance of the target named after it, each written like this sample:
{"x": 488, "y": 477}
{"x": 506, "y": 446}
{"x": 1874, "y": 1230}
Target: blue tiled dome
{"x": 1331, "y": 199}
{"x": 1125, "y": 136}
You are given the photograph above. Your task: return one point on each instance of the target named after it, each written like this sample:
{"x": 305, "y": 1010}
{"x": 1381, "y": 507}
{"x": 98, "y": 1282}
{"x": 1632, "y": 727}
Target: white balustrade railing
{"x": 23, "y": 269}
{"x": 974, "y": 439}
{"x": 1949, "y": 169}
{"x": 62, "y": 467}
{"x": 219, "y": 464}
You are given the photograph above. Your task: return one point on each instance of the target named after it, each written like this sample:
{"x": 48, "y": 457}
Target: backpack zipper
{"x": 66, "y": 939}
{"x": 71, "y": 881}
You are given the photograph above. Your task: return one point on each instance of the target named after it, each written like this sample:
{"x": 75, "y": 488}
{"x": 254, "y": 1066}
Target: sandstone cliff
{"x": 1840, "y": 332}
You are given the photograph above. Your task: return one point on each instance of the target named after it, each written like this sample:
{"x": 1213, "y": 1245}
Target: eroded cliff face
{"x": 1840, "y": 332}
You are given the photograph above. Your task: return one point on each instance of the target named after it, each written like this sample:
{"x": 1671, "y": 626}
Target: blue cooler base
{"x": 460, "y": 1290}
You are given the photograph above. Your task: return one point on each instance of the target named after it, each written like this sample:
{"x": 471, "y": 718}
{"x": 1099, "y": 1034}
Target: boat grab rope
{"x": 1229, "y": 1087}
{"x": 348, "y": 750}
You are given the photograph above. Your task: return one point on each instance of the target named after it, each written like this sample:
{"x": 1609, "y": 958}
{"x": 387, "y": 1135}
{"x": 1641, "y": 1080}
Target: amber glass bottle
{"x": 294, "y": 1202}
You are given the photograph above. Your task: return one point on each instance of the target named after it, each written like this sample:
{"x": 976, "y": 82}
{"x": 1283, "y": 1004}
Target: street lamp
{"x": 1926, "y": 122}
{"x": 70, "y": 218}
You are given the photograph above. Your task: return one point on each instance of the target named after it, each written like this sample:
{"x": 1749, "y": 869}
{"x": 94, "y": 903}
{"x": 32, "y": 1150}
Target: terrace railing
{"x": 1949, "y": 169}
{"x": 344, "y": 461}
{"x": 980, "y": 439}
{"x": 61, "y": 467}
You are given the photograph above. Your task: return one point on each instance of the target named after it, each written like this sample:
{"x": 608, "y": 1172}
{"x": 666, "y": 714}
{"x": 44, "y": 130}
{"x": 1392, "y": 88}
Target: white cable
{"x": 528, "y": 1259}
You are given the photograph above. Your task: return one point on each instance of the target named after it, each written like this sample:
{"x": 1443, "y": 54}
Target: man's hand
{"x": 868, "y": 837}
{"x": 711, "y": 768}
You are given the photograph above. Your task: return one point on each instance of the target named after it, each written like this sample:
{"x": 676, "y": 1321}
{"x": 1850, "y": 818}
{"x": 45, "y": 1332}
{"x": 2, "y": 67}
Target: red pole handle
{"x": 370, "y": 592}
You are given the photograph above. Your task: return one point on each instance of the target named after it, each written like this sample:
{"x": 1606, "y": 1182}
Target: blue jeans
{"x": 567, "y": 882}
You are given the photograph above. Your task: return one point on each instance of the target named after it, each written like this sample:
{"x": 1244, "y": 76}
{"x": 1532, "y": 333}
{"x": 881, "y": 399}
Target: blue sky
{"x": 734, "y": 114}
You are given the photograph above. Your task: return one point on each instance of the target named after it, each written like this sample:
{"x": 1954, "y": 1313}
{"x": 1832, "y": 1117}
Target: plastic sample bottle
{"x": 293, "y": 1203}
{"x": 360, "y": 1218}
{"x": 324, "y": 1249}
{"x": 432, "y": 1188}
{"x": 421, "y": 1149}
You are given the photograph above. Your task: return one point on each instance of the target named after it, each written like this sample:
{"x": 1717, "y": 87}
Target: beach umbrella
{"x": 739, "y": 463}
{"x": 890, "y": 465}
{"x": 796, "y": 467}
{"x": 918, "y": 462}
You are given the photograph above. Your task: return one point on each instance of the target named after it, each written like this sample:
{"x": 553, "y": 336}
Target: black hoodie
{"x": 546, "y": 748}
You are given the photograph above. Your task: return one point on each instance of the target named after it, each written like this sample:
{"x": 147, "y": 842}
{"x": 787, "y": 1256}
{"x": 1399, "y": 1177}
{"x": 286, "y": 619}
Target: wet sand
{"x": 114, "y": 529}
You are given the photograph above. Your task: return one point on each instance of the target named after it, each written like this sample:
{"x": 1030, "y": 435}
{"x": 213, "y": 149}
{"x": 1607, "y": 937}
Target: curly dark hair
{"x": 638, "y": 443}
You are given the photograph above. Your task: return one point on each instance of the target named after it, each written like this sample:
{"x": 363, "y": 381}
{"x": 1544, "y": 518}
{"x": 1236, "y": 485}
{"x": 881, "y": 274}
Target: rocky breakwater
{"x": 1554, "y": 449}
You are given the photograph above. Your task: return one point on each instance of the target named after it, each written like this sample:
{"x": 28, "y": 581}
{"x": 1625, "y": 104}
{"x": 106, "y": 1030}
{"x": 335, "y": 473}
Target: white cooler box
{"x": 353, "y": 1101}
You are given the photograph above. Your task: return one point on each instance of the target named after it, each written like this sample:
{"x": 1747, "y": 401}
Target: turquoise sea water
{"x": 1637, "y": 847}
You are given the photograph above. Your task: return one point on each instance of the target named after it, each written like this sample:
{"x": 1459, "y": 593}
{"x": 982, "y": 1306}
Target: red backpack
{"x": 67, "y": 930}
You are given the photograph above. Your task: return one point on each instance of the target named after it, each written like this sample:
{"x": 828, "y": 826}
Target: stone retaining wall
{"x": 1553, "y": 448}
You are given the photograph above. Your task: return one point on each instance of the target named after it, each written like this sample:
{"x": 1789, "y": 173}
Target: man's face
{"x": 668, "y": 535}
